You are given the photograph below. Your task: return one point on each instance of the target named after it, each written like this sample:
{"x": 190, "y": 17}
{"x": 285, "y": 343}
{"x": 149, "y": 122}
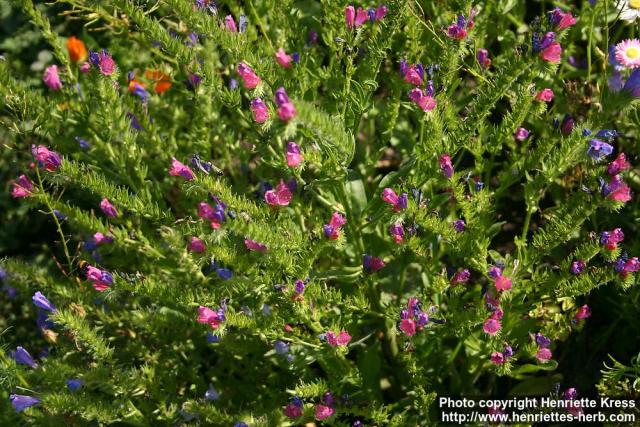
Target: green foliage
{"x": 137, "y": 346}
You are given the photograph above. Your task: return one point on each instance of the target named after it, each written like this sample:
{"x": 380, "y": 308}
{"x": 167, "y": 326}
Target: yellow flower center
{"x": 634, "y": 4}
{"x": 632, "y": 53}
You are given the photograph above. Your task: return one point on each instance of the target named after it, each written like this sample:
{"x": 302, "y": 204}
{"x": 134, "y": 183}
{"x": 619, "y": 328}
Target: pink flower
{"x": 617, "y": 190}
{"x": 342, "y": 339}
{"x": 249, "y": 77}
{"x": 408, "y": 327}
{"x": 552, "y": 53}
{"x": 287, "y": 111}
{"x": 292, "y": 411}
{"x": 179, "y": 169}
{"x": 101, "y": 279}
{"x": 491, "y": 326}
{"x": 294, "y": 158}
{"x": 103, "y": 61}
{"x": 446, "y": 166}
{"x": 100, "y": 238}
{"x": 545, "y": 95}
{"x": 350, "y": 16}
{"x": 427, "y": 103}
{"x": 381, "y": 12}
{"x": 521, "y": 134}
{"x": 583, "y": 313}
{"x": 543, "y": 354}
{"x": 561, "y": 19}
{"x": 252, "y": 245}
{"x": 259, "y": 110}
{"x": 85, "y": 67}
{"x": 108, "y": 209}
{"x": 361, "y": 16}
{"x": 230, "y": 24}
{"x": 497, "y": 358}
{"x": 197, "y": 245}
{"x": 283, "y": 59}
{"x": 51, "y": 78}
{"x": 46, "y": 158}
{"x": 413, "y": 75}
{"x": 323, "y": 412}
{"x": 628, "y": 53}
{"x": 281, "y": 196}
{"x": 618, "y": 165}
{"x": 208, "y": 316}
{"x": 503, "y": 283}
{"x": 332, "y": 230}
{"x": 22, "y": 187}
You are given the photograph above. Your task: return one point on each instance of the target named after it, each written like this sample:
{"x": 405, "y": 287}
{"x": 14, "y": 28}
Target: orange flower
{"x": 77, "y": 51}
{"x": 161, "y": 80}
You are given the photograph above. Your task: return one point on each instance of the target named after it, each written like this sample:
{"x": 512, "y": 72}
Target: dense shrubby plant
{"x": 274, "y": 211}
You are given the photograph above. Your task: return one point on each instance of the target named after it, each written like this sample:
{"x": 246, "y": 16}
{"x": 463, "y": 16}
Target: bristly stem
{"x": 57, "y": 222}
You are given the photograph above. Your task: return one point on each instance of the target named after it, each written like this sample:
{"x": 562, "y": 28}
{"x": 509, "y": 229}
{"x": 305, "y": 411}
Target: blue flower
{"x": 281, "y": 347}
{"x": 23, "y": 357}
{"x": 599, "y": 149}
{"x": 41, "y": 301}
{"x": 74, "y": 384}
{"x": 21, "y": 402}
{"x": 212, "y": 393}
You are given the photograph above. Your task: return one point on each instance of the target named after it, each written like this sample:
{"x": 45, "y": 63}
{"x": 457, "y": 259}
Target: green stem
{"x": 55, "y": 219}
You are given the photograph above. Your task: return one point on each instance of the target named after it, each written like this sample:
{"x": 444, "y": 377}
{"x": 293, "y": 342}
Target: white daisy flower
{"x": 629, "y": 9}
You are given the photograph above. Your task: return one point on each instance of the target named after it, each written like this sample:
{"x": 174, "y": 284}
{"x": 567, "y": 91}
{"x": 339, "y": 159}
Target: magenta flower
{"x": 215, "y": 215}
{"x": 552, "y": 53}
{"x": 361, "y": 17}
{"x": 209, "y": 317}
{"x": 51, "y": 78}
{"x": 583, "y": 312}
{"x": 617, "y": 190}
{"x": 292, "y": 411}
{"x": 46, "y": 158}
{"x": 252, "y": 245}
{"x": 259, "y": 110}
{"x": 482, "y": 55}
{"x": 372, "y": 264}
{"x": 461, "y": 276}
{"x": 399, "y": 203}
{"x": 294, "y": 157}
{"x": 230, "y": 24}
{"x": 611, "y": 238}
{"x": 281, "y": 196}
{"x": 397, "y": 231}
{"x": 497, "y": 358}
{"x": 108, "y": 209}
{"x": 458, "y": 30}
{"x": 283, "y": 59}
{"x": 100, "y": 238}
{"x": 22, "y": 187}
{"x": 408, "y": 327}
{"x": 618, "y": 165}
{"x": 543, "y": 354}
{"x": 381, "y": 12}
{"x": 446, "y": 166}
{"x": 179, "y": 169}
{"x": 502, "y": 283}
{"x": 561, "y": 19}
{"x": 414, "y": 74}
{"x": 85, "y": 67}
{"x": 286, "y": 110}
{"x": 545, "y": 95}
{"x": 101, "y": 279}
{"x": 342, "y": 339}
{"x": 249, "y": 77}
{"x": 332, "y": 230}
{"x": 578, "y": 267}
{"x": 323, "y": 412}
{"x": 103, "y": 61}
{"x": 350, "y": 16}
{"x": 196, "y": 245}
{"x": 425, "y": 102}
{"x": 521, "y": 134}
{"x": 491, "y": 326}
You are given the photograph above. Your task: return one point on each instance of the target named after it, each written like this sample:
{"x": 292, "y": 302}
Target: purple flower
{"x": 193, "y": 81}
{"x": 521, "y": 134}
{"x": 108, "y": 209}
{"x": 50, "y": 160}
{"x": 74, "y": 384}
{"x": 542, "y": 341}
{"x": 23, "y": 357}
{"x": 508, "y": 351}
{"x": 224, "y": 273}
{"x": 83, "y": 143}
{"x": 41, "y": 301}
{"x": 459, "y": 225}
{"x": 372, "y": 264}
{"x": 461, "y": 276}
{"x": 211, "y": 393}
{"x": 21, "y": 402}
{"x": 446, "y": 166}
{"x": 578, "y": 267}
{"x": 567, "y": 125}
{"x": 281, "y": 348}
{"x": 599, "y": 149}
